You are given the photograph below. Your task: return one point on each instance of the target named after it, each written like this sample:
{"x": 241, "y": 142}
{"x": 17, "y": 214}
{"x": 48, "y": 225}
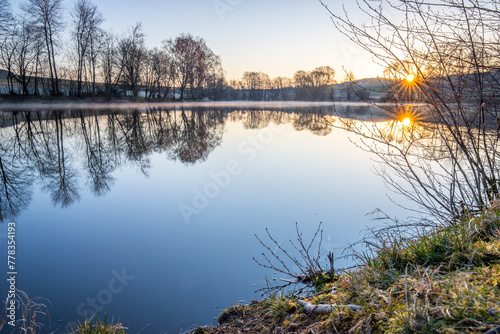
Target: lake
{"x": 149, "y": 215}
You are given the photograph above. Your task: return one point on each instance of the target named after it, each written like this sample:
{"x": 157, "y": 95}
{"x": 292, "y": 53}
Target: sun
{"x": 406, "y": 121}
{"x": 410, "y": 77}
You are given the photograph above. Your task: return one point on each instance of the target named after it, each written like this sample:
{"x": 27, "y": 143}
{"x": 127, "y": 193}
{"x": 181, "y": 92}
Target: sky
{"x": 277, "y": 37}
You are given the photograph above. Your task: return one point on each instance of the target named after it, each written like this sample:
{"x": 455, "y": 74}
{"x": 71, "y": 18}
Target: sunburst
{"x": 406, "y": 121}
{"x": 410, "y": 114}
{"x": 411, "y": 87}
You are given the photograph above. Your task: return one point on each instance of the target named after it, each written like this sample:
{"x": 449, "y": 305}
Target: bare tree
{"x": 132, "y": 53}
{"x": 256, "y": 83}
{"x": 349, "y": 77}
{"x": 7, "y": 22}
{"x": 235, "y": 88}
{"x": 283, "y": 87}
{"x": 196, "y": 65}
{"x": 158, "y": 74}
{"x": 86, "y": 37}
{"x": 185, "y": 52}
{"x": 444, "y": 55}
{"x": 210, "y": 79}
{"x": 301, "y": 79}
{"x": 7, "y": 49}
{"x": 170, "y": 74}
{"x": 151, "y": 74}
{"x": 47, "y": 18}
{"x": 215, "y": 84}
{"x": 320, "y": 79}
{"x": 314, "y": 84}
{"x": 110, "y": 67}
{"x": 18, "y": 54}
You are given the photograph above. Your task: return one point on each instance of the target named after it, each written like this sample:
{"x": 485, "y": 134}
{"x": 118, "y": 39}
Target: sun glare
{"x": 410, "y": 77}
{"x": 406, "y": 121}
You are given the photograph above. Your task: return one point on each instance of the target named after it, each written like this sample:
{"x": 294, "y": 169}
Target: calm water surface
{"x": 149, "y": 215}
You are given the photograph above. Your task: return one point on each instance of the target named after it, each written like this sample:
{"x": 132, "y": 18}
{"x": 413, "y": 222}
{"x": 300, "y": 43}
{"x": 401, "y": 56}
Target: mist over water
{"x": 176, "y": 105}
{"x": 148, "y": 215}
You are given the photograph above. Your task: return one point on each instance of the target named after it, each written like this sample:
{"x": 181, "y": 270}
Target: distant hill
{"x": 367, "y": 88}
{"x": 3, "y": 74}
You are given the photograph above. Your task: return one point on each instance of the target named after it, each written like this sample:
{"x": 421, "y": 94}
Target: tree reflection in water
{"x": 64, "y": 151}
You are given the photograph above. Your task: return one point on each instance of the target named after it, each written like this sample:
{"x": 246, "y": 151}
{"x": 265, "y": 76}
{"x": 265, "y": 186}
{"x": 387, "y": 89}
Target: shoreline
{"x": 447, "y": 280}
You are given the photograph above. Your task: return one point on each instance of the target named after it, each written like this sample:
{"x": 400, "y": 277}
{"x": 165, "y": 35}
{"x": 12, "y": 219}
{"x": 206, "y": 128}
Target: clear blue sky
{"x": 277, "y": 37}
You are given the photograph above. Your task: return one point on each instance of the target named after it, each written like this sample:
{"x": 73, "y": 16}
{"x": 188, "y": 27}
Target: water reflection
{"x": 14, "y": 181}
{"x": 66, "y": 151}
{"x": 446, "y": 167}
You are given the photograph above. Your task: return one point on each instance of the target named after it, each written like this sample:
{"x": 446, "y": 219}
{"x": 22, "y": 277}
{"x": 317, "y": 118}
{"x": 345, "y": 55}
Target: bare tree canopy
{"x": 132, "y": 54}
{"x": 313, "y": 85}
{"x": 196, "y": 64}
{"x": 442, "y": 55}
{"x": 256, "y": 83}
{"x": 87, "y": 38}
{"x": 46, "y": 17}
{"x": 349, "y": 77}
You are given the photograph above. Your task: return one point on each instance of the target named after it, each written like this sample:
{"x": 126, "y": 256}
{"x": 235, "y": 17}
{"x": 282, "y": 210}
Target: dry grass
{"x": 96, "y": 326}
{"x": 443, "y": 281}
{"x": 31, "y": 315}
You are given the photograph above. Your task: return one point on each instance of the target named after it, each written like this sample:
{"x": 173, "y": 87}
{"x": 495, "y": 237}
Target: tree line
{"x": 95, "y": 62}
{"x": 315, "y": 85}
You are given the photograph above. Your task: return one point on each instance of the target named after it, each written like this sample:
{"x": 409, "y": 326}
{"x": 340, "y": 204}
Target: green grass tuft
{"x": 97, "y": 326}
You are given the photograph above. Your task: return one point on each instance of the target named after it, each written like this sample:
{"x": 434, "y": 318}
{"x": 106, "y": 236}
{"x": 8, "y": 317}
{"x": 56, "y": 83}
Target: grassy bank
{"x": 443, "y": 281}
{"x": 446, "y": 280}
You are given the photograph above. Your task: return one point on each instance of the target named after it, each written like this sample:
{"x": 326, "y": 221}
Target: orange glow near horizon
{"x": 406, "y": 121}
